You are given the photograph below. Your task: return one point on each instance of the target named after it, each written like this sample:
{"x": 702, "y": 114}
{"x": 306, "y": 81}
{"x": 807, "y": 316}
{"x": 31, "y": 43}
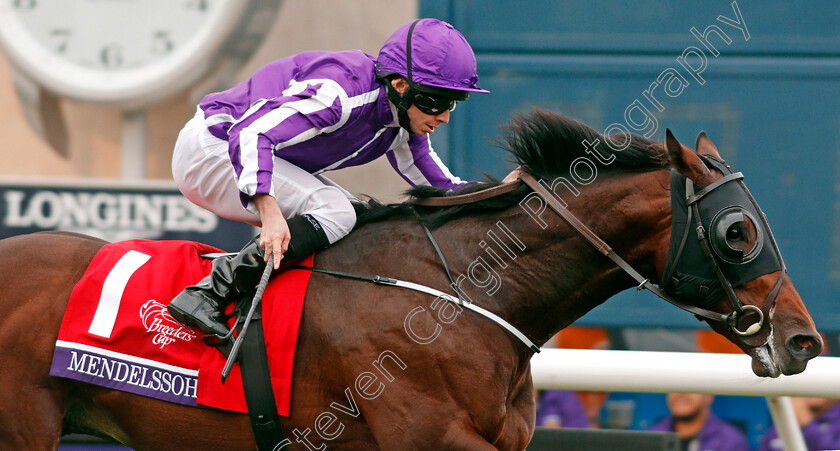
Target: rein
{"x": 741, "y": 311}
{"x": 602, "y": 247}
{"x": 461, "y": 199}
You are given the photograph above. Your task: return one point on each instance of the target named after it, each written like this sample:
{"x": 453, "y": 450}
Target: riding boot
{"x": 202, "y": 305}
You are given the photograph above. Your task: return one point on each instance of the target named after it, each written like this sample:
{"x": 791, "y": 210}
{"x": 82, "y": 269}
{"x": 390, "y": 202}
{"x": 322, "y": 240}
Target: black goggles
{"x": 433, "y": 105}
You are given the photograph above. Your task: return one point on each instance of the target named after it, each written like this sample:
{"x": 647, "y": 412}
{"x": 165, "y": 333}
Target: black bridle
{"x": 747, "y": 321}
{"x": 711, "y": 212}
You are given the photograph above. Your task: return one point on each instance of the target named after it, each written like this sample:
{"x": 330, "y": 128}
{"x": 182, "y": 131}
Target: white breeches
{"x": 204, "y": 174}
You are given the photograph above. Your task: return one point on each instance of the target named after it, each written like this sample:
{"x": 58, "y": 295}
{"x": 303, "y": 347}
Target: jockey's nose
{"x": 443, "y": 117}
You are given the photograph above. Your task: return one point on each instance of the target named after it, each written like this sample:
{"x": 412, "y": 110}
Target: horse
{"x": 437, "y": 376}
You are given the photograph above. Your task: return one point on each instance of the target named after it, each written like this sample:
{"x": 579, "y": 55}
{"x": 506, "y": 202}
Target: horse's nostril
{"x": 805, "y": 346}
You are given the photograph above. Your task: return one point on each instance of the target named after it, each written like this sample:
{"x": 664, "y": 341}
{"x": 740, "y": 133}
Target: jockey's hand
{"x": 274, "y": 235}
{"x": 514, "y": 174}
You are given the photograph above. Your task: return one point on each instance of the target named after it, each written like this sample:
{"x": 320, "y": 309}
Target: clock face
{"x": 116, "y": 50}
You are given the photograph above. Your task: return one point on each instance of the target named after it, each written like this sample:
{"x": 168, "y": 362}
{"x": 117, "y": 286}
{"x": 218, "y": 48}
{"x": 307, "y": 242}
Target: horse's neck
{"x": 541, "y": 280}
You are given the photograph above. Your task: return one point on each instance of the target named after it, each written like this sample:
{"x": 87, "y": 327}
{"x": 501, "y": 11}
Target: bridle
{"x": 749, "y": 322}
{"x": 710, "y": 212}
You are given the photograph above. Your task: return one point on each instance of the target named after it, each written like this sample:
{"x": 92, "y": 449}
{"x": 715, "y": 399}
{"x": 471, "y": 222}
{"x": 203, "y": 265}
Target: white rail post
{"x": 787, "y": 426}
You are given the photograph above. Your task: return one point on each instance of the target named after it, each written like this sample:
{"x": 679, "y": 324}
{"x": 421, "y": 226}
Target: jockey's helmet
{"x": 436, "y": 61}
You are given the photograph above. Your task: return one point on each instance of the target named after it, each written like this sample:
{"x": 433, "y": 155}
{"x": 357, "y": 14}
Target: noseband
{"x": 722, "y": 204}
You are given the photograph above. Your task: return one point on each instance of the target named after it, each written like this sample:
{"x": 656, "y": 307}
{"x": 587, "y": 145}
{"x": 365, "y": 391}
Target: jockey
{"x": 255, "y": 153}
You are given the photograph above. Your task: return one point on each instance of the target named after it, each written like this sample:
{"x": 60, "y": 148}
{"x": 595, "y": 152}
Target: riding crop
{"x": 237, "y": 345}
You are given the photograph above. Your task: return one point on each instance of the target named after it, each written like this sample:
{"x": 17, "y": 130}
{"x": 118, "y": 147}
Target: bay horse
{"x": 450, "y": 379}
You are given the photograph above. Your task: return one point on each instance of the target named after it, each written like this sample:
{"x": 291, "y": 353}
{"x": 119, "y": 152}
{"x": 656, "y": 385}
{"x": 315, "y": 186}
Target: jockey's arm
{"x": 419, "y": 165}
{"x": 278, "y": 123}
{"x": 274, "y": 235}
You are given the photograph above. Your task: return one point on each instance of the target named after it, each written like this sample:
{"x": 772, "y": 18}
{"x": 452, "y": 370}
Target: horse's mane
{"x": 545, "y": 144}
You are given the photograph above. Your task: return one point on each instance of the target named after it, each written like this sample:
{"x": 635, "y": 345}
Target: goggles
{"x": 433, "y": 105}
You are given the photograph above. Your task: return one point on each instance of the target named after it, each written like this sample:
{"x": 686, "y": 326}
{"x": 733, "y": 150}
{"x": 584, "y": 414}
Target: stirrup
{"x": 225, "y": 346}
{"x": 223, "y": 343}
{"x": 215, "y": 340}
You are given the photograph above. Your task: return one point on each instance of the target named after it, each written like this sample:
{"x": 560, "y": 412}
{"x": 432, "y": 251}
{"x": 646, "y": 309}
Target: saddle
{"x": 117, "y": 334}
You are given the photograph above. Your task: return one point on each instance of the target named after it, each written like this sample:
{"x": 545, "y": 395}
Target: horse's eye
{"x": 734, "y": 233}
{"x": 734, "y": 236}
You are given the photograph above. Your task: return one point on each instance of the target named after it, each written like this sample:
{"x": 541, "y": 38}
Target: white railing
{"x": 687, "y": 372}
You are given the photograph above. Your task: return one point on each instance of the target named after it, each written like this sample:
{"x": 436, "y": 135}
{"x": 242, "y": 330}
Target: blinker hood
{"x": 689, "y": 275}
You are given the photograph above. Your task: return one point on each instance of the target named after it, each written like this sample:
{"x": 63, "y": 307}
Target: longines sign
{"x": 115, "y": 211}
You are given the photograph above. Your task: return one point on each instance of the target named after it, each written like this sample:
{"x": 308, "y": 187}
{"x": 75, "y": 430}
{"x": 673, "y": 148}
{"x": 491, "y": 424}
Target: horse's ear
{"x": 704, "y": 145}
{"x": 686, "y": 161}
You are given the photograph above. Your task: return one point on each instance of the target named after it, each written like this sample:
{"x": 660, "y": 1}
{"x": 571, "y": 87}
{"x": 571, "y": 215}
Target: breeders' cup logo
{"x": 158, "y": 321}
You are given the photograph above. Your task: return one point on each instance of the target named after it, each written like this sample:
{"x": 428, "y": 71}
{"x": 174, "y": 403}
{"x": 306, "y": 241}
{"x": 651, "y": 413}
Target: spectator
{"x": 820, "y": 422}
{"x": 561, "y": 408}
{"x": 581, "y": 337}
{"x": 698, "y": 428}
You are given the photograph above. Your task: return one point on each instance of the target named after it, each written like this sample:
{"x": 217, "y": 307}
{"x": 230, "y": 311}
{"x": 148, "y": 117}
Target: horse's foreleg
{"x": 458, "y": 436}
{"x": 521, "y": 415}
{"x": 37, "y": 273}
{"x": 425, "y": 425}
{"x": 30, "y": 415}
{"x": 31, "y": 402}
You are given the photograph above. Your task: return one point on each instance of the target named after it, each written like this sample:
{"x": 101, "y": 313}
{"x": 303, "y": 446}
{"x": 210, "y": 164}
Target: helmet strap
{"x": 403, "y": 102}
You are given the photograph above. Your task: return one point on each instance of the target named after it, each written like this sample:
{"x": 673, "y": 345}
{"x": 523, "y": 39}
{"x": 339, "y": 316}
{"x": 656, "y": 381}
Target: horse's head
{"x": 723, "y": 259}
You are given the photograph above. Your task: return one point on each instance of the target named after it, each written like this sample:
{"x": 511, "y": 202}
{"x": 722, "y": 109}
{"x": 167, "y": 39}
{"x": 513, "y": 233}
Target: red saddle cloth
{"x": 117, "y": 332}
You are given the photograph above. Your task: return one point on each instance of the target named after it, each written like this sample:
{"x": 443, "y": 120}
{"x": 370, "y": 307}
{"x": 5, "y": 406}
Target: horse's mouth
{"x": 764, "y": 361}
{"x": 788, "y": 355}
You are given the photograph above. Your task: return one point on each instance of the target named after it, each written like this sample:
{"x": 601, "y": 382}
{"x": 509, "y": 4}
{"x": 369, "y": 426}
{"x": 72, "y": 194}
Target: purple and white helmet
{"x": 430, "y": 53}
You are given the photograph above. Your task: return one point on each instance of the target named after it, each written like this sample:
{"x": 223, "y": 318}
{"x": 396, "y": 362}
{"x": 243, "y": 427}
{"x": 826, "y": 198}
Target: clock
{"x": 128, "y": 52}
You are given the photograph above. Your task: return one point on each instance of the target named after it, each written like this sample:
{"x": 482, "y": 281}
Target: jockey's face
{"x": 420, "y": 122}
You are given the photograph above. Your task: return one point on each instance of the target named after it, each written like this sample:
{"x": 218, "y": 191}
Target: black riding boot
{"x": 202, "y": 305}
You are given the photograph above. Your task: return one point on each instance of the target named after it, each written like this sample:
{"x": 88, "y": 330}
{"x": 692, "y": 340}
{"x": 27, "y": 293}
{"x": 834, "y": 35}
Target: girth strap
{"x": 381, "y": 280}
{"x": 259, "y": 395}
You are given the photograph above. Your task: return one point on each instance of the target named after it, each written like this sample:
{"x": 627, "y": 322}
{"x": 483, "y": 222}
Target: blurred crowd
{"x": 701, "y": 423}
